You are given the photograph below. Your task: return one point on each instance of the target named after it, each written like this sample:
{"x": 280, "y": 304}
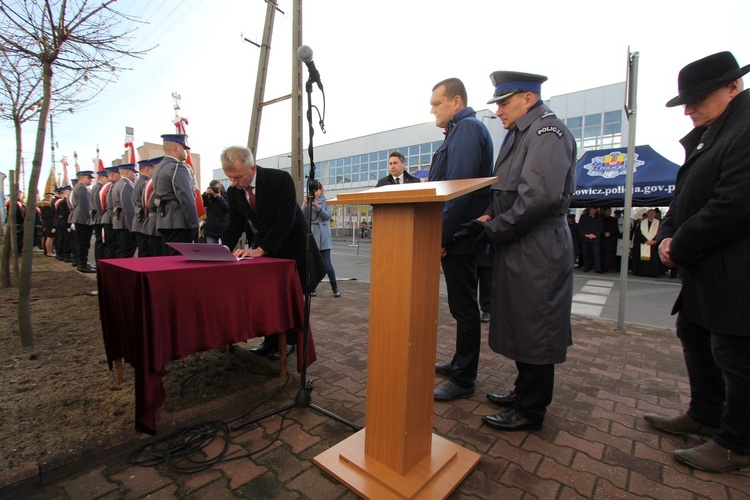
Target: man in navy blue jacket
{"x": 466, "y": 153}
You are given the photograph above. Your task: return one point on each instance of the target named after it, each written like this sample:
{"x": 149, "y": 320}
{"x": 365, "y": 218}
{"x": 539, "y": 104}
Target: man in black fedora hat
{"x": 705, "y": 234}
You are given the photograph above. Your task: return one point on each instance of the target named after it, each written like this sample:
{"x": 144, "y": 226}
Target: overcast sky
{"x": 378, "y": 62}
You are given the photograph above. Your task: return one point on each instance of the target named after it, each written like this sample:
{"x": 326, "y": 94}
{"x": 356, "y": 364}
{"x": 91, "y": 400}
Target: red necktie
{"x": 251, "y": 196}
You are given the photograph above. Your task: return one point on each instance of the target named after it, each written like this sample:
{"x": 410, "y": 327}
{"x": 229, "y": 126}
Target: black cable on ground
{"x": 183, "y": 450}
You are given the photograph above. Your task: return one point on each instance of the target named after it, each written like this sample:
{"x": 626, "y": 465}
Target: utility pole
{"x": 260, "y": 82}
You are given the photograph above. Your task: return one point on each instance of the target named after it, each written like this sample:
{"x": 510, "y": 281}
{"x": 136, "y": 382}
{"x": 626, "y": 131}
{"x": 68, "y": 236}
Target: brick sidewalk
{"x": 594, "y": 444}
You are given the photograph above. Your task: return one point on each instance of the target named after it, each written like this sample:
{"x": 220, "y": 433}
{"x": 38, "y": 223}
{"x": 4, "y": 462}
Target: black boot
{"x": 335, "y": 288}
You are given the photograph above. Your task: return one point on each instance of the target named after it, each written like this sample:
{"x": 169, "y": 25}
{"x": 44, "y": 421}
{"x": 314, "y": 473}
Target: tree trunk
{"x": 9, "y": 245}
{"x": 24, "y": 287}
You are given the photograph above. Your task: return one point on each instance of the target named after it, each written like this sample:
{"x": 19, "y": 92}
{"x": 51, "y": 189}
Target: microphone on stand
{"x": 305, "y": 54}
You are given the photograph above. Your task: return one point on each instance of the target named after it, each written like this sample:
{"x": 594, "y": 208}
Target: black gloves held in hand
{"x": 472, "y": 229}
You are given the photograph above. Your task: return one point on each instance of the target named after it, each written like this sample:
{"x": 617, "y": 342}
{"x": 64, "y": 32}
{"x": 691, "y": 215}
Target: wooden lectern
{"x": 396, "y": 455}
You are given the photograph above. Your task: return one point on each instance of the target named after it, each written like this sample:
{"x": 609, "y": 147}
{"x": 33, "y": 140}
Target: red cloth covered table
{"x": 157, "y": 309}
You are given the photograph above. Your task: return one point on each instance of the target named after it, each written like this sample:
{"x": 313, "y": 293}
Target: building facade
{"x": 595, "y": 117}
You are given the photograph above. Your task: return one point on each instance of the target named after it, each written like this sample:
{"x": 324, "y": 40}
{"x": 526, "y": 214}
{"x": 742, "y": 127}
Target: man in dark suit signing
{"x": 264, "y": 202}
{"x": 397, "y": 173}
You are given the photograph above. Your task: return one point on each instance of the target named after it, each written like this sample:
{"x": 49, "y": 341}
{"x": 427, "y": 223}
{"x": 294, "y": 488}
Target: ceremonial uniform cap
{"x": 508, "y": 83}
{"x": 89, "y": 173}
{"x": 178, "y": 138}
{"x": 151, "y": 161}
{"x": 129, "y": 166}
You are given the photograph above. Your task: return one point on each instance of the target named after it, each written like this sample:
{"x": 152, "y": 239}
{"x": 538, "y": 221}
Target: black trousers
{"x": 484, "y": 273}
{"x": 174, "y": 236}
{"x": 83, "y": 243}
{"x": 110, "y": 241}
{"x": 460, "y": 272}
{"x": 144, "y": 246}
{"x": 719, "y": 373}
{"x": 534, "y": 386}
{"x": 98, "y": 241}
{"x": 74, "y": 245}
{"x": 156, "y": 244}
{"x": 592, "y": 256}
{"x": 126, "y": 244}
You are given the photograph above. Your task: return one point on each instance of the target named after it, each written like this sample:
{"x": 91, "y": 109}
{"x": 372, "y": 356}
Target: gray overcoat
{"x": 81, "y": 199}
{"x": 533, "y": 263}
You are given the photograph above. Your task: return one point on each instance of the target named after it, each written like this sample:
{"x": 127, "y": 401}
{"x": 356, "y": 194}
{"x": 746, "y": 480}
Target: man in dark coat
{"x": 466, "y": 153}
{"x": 591, "y": 227}
{"x": 397, "y": 173}
{"x": 264, "y": 200}
{"x": 705, "y": 234}
{"x": 526, "y": 224}
{"x": 609, "y": 240}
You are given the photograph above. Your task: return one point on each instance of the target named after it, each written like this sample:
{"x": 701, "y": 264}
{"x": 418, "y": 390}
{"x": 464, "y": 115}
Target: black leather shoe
{"x": 276, "y": 355}
{"x": 485, "y": 317}
{"x": 511, "y": 421}
{"x": 336, "y": 292}
{"x": 503, "y": 399}
{"x": 265, "y": 349}
{"x": 313, "y": 294}
{"x": 450, "y": 391}
{"x": 445, "y": 369}
{"x": 87, "y": 270}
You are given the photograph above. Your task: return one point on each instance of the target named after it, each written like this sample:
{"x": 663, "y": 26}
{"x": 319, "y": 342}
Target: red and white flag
{"x": 132, "y": 153}
{"x": 179, "y": 123}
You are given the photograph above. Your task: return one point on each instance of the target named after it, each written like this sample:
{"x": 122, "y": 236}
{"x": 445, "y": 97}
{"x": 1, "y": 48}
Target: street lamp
{"x": 492, "y": 117}
{"x": 278, "y": 160}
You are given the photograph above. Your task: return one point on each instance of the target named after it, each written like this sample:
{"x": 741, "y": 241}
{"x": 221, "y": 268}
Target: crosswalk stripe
{"x": 590, "y": 300}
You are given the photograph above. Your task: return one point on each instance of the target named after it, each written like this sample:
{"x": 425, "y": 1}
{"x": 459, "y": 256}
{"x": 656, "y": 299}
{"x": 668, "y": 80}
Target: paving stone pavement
{"x": 594, "y": 444}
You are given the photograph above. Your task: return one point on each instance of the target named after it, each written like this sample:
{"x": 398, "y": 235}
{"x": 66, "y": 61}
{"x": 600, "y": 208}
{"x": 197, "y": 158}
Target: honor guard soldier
{"x": 124, "y": 211}
{"x": 174, "y": 194}
{"x": 155, "y": 242}
{"x": 107, "y": 200}
{"x": 140, "y": 219}
{"x": 71, "y": 226}
{"x": 96, "y": 214}
{"x": 81, "y": 218}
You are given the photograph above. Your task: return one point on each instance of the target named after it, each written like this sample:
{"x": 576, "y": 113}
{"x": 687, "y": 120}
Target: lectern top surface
{"x": 423, "y": 192}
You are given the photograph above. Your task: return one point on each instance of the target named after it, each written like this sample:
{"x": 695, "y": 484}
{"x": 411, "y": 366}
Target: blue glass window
{"x": 595, "y": 119}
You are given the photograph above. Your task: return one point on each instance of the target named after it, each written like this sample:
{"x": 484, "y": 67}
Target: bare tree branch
{"x": 76, "y": 42}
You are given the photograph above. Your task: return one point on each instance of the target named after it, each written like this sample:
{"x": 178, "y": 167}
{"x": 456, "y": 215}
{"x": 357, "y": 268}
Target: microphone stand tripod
{"x": 303, "y": 399}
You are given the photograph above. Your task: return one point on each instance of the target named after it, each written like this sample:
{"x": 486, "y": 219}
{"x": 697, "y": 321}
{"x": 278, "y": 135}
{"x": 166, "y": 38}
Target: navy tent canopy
{"x": 600, "y": 178}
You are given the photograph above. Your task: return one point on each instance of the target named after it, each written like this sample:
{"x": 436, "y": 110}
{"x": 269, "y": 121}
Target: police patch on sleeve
{"x": 550, "y": 128}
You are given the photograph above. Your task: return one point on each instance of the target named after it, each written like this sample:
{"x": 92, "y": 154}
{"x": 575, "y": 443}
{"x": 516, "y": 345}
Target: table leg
{"x": 117, "y": 370}
{"x": 282, "y": 354}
